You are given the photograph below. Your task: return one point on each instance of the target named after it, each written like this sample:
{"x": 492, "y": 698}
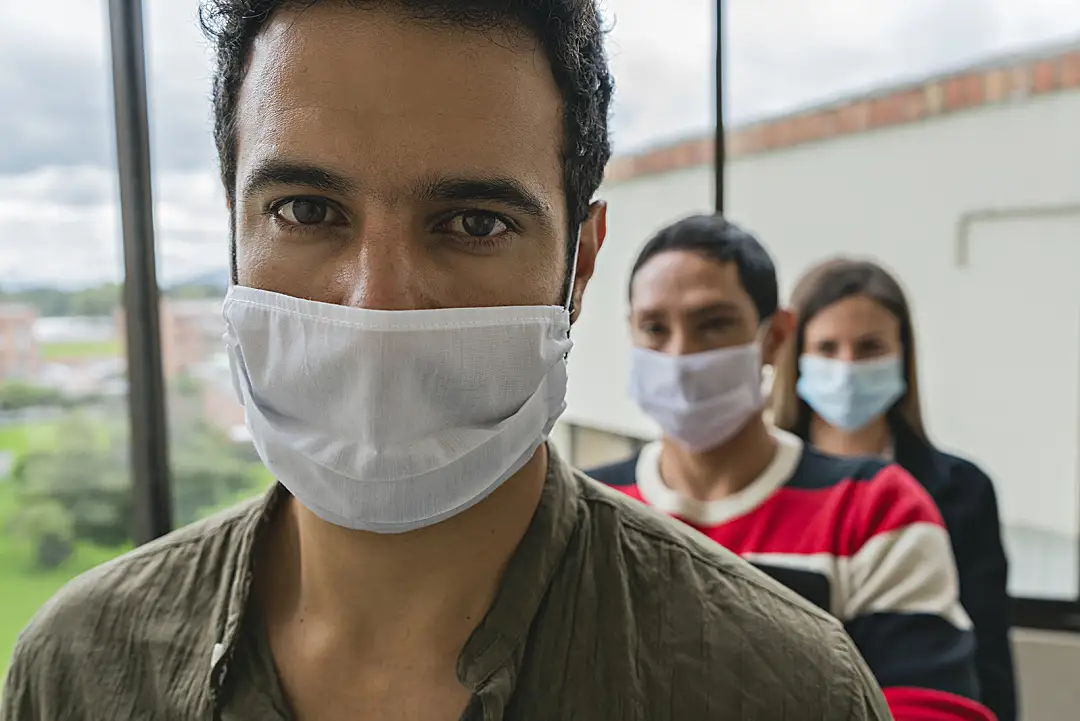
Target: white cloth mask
{"x": 702, "y": 399}
{"x": 389, "y": 421}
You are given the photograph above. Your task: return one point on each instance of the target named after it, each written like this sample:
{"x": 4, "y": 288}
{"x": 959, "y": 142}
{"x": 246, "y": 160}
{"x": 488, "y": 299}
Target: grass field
{"x": 24, "y": 588}
{"x": 22, "y": 439}
{"x": 81, "y": 350}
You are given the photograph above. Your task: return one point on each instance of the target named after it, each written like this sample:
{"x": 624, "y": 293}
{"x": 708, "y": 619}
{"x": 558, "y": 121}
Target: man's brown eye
{"x": 304, "y": 211}
{"x": 480, "y": 225}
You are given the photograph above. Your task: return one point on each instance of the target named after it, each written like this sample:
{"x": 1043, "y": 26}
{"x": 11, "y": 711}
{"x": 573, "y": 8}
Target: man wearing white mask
{"x": 411, "y": 187}
{"x": 859, "y": 538}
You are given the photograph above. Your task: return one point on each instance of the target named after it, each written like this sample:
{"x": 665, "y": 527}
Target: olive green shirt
{"x": 607, "y": 612}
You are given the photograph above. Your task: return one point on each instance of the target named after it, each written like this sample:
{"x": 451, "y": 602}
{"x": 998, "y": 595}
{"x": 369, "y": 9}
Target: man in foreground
{"x": 859, "y": 538}
{"x": 410, "y": 186}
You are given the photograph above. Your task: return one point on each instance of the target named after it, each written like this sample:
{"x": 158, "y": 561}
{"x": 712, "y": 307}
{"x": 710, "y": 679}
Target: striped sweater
{"x": 861, "y": 539}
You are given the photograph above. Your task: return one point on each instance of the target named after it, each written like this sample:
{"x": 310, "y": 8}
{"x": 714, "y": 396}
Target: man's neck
{"x": 872, "y": 439}
{"x": 395, "y": 596}
{"x": 721, "y": 471}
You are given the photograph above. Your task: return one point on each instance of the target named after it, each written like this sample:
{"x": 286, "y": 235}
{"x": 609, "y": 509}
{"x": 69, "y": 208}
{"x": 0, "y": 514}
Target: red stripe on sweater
{"x": 837, "y": 520}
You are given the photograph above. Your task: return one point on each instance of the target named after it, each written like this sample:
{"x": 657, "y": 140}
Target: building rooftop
{"x": 999, "y": 81}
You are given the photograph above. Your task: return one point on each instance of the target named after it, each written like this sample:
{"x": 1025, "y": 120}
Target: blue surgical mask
{"x": 849, "y": 395}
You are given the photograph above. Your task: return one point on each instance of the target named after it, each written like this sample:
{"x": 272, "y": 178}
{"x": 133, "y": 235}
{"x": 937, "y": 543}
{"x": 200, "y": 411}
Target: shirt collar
{"x": 662, "y": 497}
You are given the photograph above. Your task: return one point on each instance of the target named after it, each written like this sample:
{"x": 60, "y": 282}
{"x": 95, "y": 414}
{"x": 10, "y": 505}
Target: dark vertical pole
{"x": 149, "y": 437}
{"x": 721, "y": 156}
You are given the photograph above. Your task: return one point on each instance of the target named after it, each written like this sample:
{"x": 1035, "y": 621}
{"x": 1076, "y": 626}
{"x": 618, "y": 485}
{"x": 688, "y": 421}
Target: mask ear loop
{"x": 768, "y": 372}
{"x": 234, "y": 276}
{"x": 568, "y": 303}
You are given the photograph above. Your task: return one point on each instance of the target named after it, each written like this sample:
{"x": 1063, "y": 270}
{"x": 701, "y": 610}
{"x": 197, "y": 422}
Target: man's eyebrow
{"x": 277, "y": 172}
{"x": 723, "y": 306}
{"x": 505, "y": 191}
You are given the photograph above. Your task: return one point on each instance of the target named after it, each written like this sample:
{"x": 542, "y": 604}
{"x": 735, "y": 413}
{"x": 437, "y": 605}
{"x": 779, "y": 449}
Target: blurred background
{"x": 940, "y": 138}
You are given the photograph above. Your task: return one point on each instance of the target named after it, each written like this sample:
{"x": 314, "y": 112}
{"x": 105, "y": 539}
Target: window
{"x": 884, "y": 129}
{"x": 65, "y": 486}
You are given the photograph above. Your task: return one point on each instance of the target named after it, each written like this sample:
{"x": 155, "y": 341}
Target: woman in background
{"x": 847, "y": 383}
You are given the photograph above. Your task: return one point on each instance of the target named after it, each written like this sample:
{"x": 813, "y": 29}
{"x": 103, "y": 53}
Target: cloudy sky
{"x": 58, "y": 214}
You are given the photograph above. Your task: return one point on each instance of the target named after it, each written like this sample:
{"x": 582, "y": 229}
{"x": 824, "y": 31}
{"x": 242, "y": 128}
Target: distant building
{"x": 20, "y": 357}
{"x": 220, "y": 406}
{"x": 191, "y": 332}
{"x": 192, "y": 347}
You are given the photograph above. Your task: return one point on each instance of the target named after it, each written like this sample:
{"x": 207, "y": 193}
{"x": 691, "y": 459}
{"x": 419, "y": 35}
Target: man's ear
{"x": 781, "y": 328}
{"x": 591, "y": 237}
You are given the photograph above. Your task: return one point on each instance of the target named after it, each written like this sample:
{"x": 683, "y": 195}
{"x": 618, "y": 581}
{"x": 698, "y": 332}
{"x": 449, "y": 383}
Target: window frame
{"x": 146, "y": 380}
{"x": 146, "y": 396}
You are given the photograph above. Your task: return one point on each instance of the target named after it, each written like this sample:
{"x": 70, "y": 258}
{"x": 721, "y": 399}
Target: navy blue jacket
{"x": 965, "y": 496}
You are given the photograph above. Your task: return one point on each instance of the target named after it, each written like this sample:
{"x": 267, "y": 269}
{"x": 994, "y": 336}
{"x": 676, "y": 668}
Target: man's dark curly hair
{"x": 570, "y": 32}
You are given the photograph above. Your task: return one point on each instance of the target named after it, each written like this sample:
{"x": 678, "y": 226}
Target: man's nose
{"x": 680, "y": 342}
{"x": 383, "y": 272}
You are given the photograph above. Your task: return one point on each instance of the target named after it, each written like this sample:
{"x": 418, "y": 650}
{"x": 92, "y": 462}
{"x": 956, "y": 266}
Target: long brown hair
{"x": 821, "y": 286}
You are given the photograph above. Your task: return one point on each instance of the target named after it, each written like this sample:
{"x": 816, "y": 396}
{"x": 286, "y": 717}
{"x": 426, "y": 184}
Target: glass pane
{"x": 595, "y": 448}
{"x": 938, "y": 139}
{"x": 662, "y": 56}
{"x": 65, "y": 487}
{"x": 212, "y": 460}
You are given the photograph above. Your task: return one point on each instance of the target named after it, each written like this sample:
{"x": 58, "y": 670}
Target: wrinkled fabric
{"x": 606, "y": 612}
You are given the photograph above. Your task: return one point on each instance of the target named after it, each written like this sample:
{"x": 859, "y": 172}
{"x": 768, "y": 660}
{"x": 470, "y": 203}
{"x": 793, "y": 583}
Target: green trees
{"x": 79, "y": 490}
{"x": 76, "y": 491}
{"x": 101, "y": 300}
{"x": 207, "y": 472}
{"x": 15, "y": 396}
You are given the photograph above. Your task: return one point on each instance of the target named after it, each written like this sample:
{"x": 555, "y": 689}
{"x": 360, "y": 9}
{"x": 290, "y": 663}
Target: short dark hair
{"x": 570, "y": 32}
{"x": 724, "y": 242}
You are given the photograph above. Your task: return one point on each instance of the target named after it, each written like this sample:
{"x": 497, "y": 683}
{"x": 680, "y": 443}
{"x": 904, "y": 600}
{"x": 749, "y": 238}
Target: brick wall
{"x": 997, "y": 83}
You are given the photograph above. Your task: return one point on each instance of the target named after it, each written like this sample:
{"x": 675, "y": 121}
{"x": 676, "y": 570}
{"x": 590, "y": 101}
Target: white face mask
{"x": 389, "y": 421}
{"x": 700, "y": 400}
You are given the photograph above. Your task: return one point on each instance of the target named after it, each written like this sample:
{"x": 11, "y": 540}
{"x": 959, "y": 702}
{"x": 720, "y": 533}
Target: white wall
{"x": 999, "y": 339}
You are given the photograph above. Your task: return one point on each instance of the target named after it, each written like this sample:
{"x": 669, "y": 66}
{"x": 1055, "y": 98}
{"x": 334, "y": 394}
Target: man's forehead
{"x": 686, "y": 276}
{"x": 345, "y": 51}
{"x": 430, "y": 100}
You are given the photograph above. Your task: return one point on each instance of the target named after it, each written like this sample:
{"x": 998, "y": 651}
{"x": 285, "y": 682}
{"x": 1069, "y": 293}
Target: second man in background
{"x": 858, "y": 537}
